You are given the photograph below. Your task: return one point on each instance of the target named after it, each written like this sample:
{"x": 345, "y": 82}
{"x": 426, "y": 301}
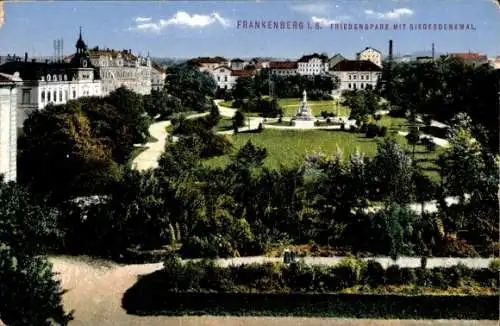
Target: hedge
{"x": 260, "y": 288}
{"x": 309, "y": 305}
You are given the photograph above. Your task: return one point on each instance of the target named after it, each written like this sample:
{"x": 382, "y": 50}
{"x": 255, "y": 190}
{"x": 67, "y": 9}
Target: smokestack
{"x": 25, "y": 56}
{"x": 390, "y": 50}
{"x": 433, "y": 52}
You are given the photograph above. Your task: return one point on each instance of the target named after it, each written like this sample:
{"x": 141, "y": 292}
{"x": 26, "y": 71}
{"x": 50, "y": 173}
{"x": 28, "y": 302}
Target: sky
{"x": 182, "y": 29}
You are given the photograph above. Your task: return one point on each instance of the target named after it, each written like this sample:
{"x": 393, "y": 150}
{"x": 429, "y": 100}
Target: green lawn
{"x": 224, "y": 124}
{"x": 289, "y": 106}
{"x": 289, "y": 147}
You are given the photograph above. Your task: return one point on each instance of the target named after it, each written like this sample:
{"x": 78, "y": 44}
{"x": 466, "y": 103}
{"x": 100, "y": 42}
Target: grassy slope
{"x": 289, "y": 147}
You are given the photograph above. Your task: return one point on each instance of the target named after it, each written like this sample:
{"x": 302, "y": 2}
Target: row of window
{"x": 362, "y": 77}
{"x": 51, "y": 96}
{"x": 225, "y": 78}
{"x": 55, "y": 78}
{"x": 362, "y": 86}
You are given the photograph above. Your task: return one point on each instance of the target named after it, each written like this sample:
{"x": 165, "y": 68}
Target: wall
{"x": 8, "y": 133}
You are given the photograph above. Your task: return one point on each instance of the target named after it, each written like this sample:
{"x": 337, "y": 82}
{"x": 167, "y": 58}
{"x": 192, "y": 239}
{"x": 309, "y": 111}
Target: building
{"x": 356, "y": 74}
{"x": 8, "y": 125}
{"x": 335, "y": 59}
{"x": 370, "y": 54}
{"x": 314, "y": 64}
{"x": 473, "y": 59}
{"x": 226, "y": 77}
{"x": 283, "y": 68}
{"x": 46, "y": 83}
{"x": 495, "y": 62}
{"x": 209, "y": 64}
{"x": 238, "y": 64}
{"x": 223, "y": 76}
{"x": 158, "y": 76}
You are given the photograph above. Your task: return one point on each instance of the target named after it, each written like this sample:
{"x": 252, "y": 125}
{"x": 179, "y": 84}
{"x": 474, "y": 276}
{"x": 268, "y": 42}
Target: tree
{"x": 70, "y": 159}
{"x": 238, "y": 119}
{"x": 29, "y": 293}
{"x": 413, "y": 137}
{"x": 243, "y": 88}
{"x": 193, "y": 88}
{"x": 392, "y": 171}
{"x": 393, "y": 230}
{"x": 162, "y": 104}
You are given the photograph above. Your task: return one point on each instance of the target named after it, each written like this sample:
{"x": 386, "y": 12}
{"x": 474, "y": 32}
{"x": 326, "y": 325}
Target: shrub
{"x": 342, "y": 126}
{"x": 327, "y": 97}
{"x": 394, "y": 275}
{"x": 374, "y": 274}
{"x": 494, "y": 265}
{"x": 457, "y": 248}
{"x": 237, "y": 104}
{"x": 382, "y": 131}
{"x": 364, "y": 128}
{"x": 317, "y": 123}
{"x": 348, "y": 272}
{"x": 280, "y": 119}
{"x": 260, "y": 128}
{"x": 372, "y": 130}
{"x": 328, "y": 121}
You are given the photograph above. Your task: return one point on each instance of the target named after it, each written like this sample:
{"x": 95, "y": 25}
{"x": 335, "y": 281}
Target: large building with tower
{"x": 46, "y": 83}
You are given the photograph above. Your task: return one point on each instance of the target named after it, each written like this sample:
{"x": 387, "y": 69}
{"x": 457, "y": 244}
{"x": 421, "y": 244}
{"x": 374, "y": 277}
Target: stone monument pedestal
{"x": 303, "y": 124}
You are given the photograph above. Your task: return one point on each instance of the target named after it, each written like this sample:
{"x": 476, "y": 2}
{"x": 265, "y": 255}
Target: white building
{"x": 226, "y": 77}
{"x": 283, "y": 68}
{"x": 53, "y": 83}
{"x": 356, "y": 74}
{"x": 8, "y": 127}
{"x": 223, "y": 76}
{"x": 314, "y": 64}
{"x": 158, "y": 76}
{"x": 370, "y": 54}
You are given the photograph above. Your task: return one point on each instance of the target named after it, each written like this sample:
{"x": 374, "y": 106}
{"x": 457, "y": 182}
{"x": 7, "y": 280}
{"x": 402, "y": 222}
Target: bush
{"x": 237, "y": 104}
{"x": 364, "y": 128}
{"x": 327, "y": 97}
{"x": 494, "y": 265}
{"x": 374, "y": 274}
{"x": 342, "y": 126}
{"x": 372, "y": 130}
{"x": 260, "y": 128}
{"x": 382, "y": 131}
{"x": 328, "y": 121}
{"x": 456, "y": 248}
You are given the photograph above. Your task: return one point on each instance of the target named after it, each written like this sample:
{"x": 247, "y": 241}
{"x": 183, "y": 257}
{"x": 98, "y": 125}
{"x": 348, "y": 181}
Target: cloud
{"x": 389, "y": 15}
{"x": 142, "y": 19}
{"x": 311, "y": 8}
{"x": 328, "y": 22}
{"x": 181, "y": 18}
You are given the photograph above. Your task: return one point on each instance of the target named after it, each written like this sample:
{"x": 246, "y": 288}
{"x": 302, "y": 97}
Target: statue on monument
{"x": 303, "y": 111}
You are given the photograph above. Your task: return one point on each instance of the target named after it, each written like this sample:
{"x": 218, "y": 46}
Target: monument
{"x": 303, "y": 116}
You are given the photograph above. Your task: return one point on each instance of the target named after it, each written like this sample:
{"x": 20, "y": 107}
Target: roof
{"x": 158, "y": 68}
{"x": 283, "y": 65}
{"x": 96, "y": 53}
{"x": 6, "y": 79}
{"x": 30, "y": 71}
{"x": 222, "y": 67}
{"x": 466, "y": 56}
{"x": 306, "y": 58}
{"x": 243, "y": 73}
{"x": 338, "y": 55}
{"x": 237, "y": 60}
{"x": 201, "y": 60}
{"x": 368, "y": 48}
{"x": 356, "y": 65}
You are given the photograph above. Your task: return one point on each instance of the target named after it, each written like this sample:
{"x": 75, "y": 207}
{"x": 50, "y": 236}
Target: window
{"x": 55, "y": 96}
{"x": 225, "y": 78}
{"x": 43, "y": 96}
{"x": 48, "y": 79}
{"x": 354, "y": 77}
{"x": 26, "y": 96}
{"x": 66, "y": 95}
{"x": 354, "y": 86}
{"x": 60, "y": 96}
{"x": 362, "y": 77}
{"x": 361, "y": 85}
{"x": 48, "y": 96}
{"x": 350, "y": 77}
{"x": 218, "y": 78}
{"x": 349, "y": 85}
{"x": 74, "y": 94}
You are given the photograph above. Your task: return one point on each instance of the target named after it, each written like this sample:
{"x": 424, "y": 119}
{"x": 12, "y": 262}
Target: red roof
{"x": 356, "y": 65}
{"x": 283, "y": 65}
{"x": 243, "y": 73}
{"x": 466, "y": 56}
